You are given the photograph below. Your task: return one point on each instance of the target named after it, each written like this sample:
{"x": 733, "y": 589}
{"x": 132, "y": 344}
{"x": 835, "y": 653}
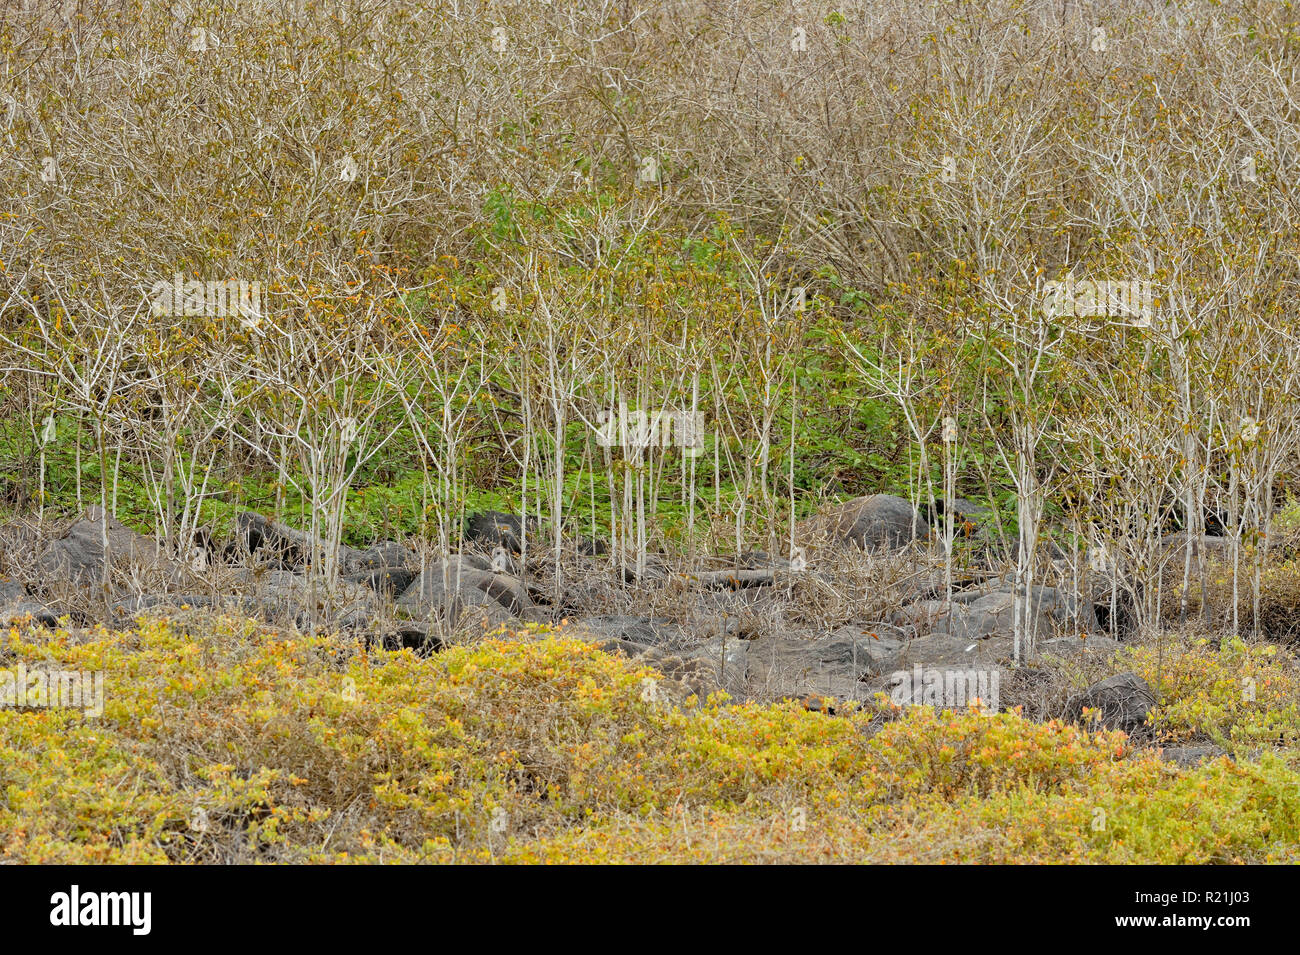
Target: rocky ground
{"x": 863, "y": 601}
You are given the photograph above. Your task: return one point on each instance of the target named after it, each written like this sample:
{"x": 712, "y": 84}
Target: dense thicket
{"x": 471, "y": 235}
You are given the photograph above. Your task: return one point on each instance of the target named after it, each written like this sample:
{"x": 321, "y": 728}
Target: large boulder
{"x": 386, "y": 556}
{"x": 390, "y": 581}
{"x": 994, "y": 614}
{"x": 968, "y": 518}
{"x": 631, "y": 635}
{"x": 946, "y": 650}
{"x": 981, "y": 613}
{"x": 698, "y": 664}
{"x": 1123, "y": 702}
{"x": 702, "y": 667}
{"x": 877, "y": 522}
{"x": 721, "y": 662}
{"x": 834, "y": 664}
{"x": 16, "y": 605}
{"x": 489, "y": 529}
{"x": 279, "y": 545}
{"x": 944, "y": 670}
{"x": 388, "y": 568}
{"x": 451, "y": 588}
{"x": 319, "y": 603}
{"x": 77, "y": 555}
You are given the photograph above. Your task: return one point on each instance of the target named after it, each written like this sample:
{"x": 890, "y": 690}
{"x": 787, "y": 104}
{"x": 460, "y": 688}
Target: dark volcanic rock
{"x": 386, "y": 556}
{"x": 38, "y": 612}
{"x": 630, "y": 634}
{"x": 77, "y": 555}
{"x": 701, "y": 665}
{"x": 453, "y": 588}
{"x": 593, "y": 547}
{"x": 834, "y": 664}
{"x": 1124, "y": 700}
{"x": 407, "y": 634}
{"x": 488, "y": 529}
{"x": 723, "y": 662}
{"x": 439, "y": 579}
{"x": 279, "y": 545}
{"x": 946, "y": 650}
{"x": 388, "y": 581}
{"x": 16, "y": 604}
{"x": 877, "y": 522}
{"x": 974, "y": 616}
